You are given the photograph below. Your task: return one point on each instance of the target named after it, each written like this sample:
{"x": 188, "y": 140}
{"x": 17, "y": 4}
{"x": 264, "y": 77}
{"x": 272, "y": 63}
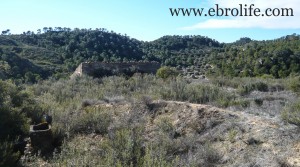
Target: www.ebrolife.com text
{"x": 241, "y": 10}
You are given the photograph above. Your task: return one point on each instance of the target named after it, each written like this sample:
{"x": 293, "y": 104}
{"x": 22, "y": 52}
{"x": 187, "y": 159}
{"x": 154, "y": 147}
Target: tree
{"x": 5, "y": 32}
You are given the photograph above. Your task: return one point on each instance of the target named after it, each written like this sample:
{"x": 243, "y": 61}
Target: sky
{"x": 148, "y": 20}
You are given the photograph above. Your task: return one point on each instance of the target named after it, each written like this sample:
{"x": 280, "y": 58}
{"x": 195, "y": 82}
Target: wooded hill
{"x": 277, "y": 58}
{"x": 56, "y": 52}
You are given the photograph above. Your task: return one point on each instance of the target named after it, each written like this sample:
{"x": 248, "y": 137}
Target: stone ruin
{"x": 41, "y": 137}
{"x": 100, "y": 69}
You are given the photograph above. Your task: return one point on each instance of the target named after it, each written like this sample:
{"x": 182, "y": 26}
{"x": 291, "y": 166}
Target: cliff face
{"x": 98, "y": 69}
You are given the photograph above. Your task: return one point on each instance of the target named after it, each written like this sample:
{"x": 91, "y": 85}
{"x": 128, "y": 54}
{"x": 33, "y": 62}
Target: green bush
{"x": 267, "y": 76}
{"x": 16, "y": 106}
{"x": 167, "y": 72}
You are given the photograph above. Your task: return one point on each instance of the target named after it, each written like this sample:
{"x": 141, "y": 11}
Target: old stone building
{"x": 99, "y": 69}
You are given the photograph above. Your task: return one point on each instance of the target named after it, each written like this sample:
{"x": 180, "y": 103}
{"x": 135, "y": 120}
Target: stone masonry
{"x": 90, "y": 68}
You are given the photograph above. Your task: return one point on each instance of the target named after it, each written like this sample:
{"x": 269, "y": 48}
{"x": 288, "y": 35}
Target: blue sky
{"x": 146, "y": 19}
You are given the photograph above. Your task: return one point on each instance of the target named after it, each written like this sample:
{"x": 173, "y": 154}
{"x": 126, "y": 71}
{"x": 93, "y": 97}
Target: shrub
{"x": 249, "y": 87}
{"x": 165, "y": 125}
{"x": 227, "y": 82}
{"x": 94, "y": 120}
{"x": 175, "y": 89}
{"x": 231, "y": 135}
{"x": 240, "y": 102}
{"x": 15, "y": 107}
{"x": 293, "y": 83}
{"x": 179, "y": 89}
{"x": 258, "y": 101}
{"x": 156, "y": 157}
{"x": 206, "y": 94}
{"x": 126, "y": 146}
{"x": 7, "y": 156}
{"x": 206, "y": 155}
{"x": 267, "y": 76}
{"x": 291, "y": 113}
{"x": 167, "y": 72}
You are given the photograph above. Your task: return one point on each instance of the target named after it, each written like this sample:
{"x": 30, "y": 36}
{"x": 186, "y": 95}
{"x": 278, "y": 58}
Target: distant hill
{"x": 277, "y": 58}
{"x": 181, "y": 50}
{"x": 58, "y": 51}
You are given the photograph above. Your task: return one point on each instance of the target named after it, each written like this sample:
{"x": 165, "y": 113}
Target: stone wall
{"x": 99, "y": 68}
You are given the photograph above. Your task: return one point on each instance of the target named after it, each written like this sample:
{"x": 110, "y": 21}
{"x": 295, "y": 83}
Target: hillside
{"x": 58, "y": 51}
{"x": 244, "y": 112}
{"x": 181, "y": 50}
{"x": 245, "y": 58}
{"x": 110, "y": 122}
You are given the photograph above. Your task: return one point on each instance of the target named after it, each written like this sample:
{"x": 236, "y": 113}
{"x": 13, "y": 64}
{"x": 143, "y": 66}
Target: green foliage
{"x": 156, "y": 158}
{"x": 203, "y": 94}
{"x": 165, "y": 125}
{"x": 249, "y": 87}
{"x": 13, "y": 121}
{"x": 226, "y": 82}
{"x": 7, "y": 156}
{"x": 246, "y": 58}
{"x": 291, "y": 113}
{"x": 126, "y": 146}
{"x": 16, "y": 107}
{"x": 58, "y": 51}
{"x": 239, "y": 102}
{"x": 94, "y": 120}
{"x": 267, "y": 76}
{"x": 167, "y": 72}
{"x": 13, "y": 66}
{"x": 93, "y": 132}
{"x": 178, "y": 89}
{"x": 293, "y": 83}
{"x": 231, "y": 135}
{"x": 181, "y": 50}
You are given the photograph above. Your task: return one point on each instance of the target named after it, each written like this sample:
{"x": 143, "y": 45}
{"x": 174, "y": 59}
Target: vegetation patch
{"x": 291, "y": 113}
